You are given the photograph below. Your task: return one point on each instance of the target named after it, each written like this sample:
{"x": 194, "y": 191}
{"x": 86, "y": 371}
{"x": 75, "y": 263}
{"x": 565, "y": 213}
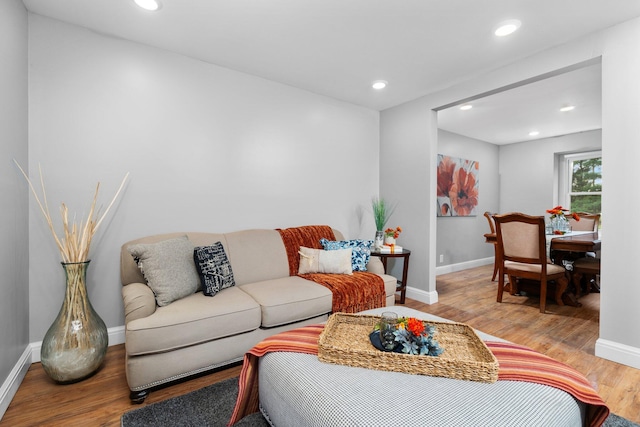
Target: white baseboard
{"x": 31, "y": 355}
{"x": 12, "y": 383}
{"x": 432, "y": 297}
{"x": 617, "y": 352}
{"x": 422, "y": 296}
{"x": 452, "y": 268}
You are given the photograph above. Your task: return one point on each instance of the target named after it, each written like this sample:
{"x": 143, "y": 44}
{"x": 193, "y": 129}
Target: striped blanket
{"x": 351, "y": 293}
{"x": 516, "y": 363}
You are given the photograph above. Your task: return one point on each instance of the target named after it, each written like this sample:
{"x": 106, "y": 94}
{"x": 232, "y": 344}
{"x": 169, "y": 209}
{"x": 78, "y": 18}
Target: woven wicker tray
{"x": 345, "y": 341}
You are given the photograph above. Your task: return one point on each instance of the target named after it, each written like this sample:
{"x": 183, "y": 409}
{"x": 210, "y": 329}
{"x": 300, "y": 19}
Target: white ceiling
{"x": 509, "y": 116}
{"x": 338, "y": 47}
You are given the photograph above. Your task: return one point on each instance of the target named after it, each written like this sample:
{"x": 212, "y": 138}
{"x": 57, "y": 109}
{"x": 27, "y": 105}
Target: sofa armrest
{"x": 375, "y": 265}
{"x": 139, "y": 301}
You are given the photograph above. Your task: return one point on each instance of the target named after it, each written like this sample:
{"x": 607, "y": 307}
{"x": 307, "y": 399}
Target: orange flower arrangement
{"x": 559, "y": 210}
{"x": 415, "y": 326}
{"x": 415, "y": 338}
{"x": 395, "y": 233}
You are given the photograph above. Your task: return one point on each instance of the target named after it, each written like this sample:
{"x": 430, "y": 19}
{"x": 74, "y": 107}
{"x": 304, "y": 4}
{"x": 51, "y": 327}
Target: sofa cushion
{"x": 213, "y": 268}
{"x": 360, "y": 251}
{"x": 256, "y": 255}
{"x": 321, "y": 261}
{"x": 168, "y": 268}
{"x": 193, "y": 320}
{"x": 289, "y": 299}
{"x": 390, "y": 284}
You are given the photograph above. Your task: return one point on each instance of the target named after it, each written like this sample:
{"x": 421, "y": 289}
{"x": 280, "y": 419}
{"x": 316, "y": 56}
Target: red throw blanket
{"x": 308, "y": 236}
{"x": 301, "y": 340}
{"x": 517, "y": 363}
{"x": 351, "y": 293}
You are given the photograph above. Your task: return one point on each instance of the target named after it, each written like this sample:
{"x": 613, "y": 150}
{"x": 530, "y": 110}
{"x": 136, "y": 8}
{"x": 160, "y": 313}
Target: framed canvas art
{"x": 457, "y": 186}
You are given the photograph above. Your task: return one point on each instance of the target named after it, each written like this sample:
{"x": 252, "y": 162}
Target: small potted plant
{"x": 391, "y": 234}
{"x": 382, "y": 211}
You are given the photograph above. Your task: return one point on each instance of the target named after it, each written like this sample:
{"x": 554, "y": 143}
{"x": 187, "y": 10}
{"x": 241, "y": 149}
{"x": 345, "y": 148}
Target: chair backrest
{"x": 492, "y": 223}
{"x": 588, "y": 222}
{"x": 521, "y": 238}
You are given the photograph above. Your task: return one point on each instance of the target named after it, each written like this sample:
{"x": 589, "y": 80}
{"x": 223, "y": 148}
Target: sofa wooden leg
{"x": 138, "y": 397}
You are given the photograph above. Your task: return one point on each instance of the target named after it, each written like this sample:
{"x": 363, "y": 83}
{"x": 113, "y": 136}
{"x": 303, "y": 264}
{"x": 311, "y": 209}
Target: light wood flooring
{"x": 565, "y": 333}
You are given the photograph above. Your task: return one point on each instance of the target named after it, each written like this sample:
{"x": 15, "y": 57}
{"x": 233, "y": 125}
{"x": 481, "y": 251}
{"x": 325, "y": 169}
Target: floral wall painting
{"x": 457, "y": 186}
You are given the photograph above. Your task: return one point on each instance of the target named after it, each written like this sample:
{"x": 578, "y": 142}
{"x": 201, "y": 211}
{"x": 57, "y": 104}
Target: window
{"x": 583, "y": 189}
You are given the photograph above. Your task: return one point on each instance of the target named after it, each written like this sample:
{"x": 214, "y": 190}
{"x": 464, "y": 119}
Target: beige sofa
{"x": 198, "y": 333}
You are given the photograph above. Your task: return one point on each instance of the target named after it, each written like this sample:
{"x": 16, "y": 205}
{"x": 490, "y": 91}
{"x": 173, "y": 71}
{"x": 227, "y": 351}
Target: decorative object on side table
{"x": 76, "y": 343}
{"x": 382, "y": 211}
{"x": 390, "y": 235}
{"x": 559, "y": 221}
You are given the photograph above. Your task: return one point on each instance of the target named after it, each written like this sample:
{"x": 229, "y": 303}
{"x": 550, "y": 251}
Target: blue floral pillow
{"x": 360, "y": 251}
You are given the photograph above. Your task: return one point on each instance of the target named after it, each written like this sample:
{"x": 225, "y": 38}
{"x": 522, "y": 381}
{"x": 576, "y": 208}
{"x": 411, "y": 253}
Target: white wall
{"x": 14, "y": 230}
{"x": 620, "y": 298}
{"x": 208, "y": 149}
{"x": 407, "y": 178}
{"x": 527, "y": 172}
{"x": 461, "y": 239}
{"x": 619, "y": 48}
{"x": 14, "y": 256}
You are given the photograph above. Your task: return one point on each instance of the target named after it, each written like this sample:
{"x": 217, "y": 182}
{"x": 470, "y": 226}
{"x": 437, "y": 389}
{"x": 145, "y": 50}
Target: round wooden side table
{"x": 402, "y": 284}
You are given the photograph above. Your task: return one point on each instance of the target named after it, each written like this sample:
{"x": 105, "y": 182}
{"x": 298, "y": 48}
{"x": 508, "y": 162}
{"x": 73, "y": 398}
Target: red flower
{"x": 390, "y": 232}
{"x": 463, "y": 193}
{"x": 445, "y": 176}
{"x": 415, "y": 326}
{"x": 559, "y": 210}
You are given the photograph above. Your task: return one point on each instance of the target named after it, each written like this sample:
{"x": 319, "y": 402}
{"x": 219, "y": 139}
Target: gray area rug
{"x": 212, "y": 406}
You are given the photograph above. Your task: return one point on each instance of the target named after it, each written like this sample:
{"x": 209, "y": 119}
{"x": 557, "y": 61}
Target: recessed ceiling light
{"x": 534, "y": 133}
{"x": 466, "y": 107}
{"x": 507, "y": 27}
{"x": 567, "y": 108}
{"x": 151, "y": 5}
{"x": 379, "y": 84}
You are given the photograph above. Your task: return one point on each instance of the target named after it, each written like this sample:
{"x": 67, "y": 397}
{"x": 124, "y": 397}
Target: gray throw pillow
{"x": 168, "y": 268}
{"x": 214, "y": 268}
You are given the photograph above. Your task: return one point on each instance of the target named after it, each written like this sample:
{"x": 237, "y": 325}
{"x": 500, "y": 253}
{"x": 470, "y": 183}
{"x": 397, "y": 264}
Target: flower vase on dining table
{"x": 560, "y": 224}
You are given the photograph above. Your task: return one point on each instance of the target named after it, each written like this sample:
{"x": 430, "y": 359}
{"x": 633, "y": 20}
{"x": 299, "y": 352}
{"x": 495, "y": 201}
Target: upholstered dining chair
{"x": 522, "y": 254}
{"x": 588, "y": 222}
{"x": 492, "y": 238}
{"x": 589, "y": 269}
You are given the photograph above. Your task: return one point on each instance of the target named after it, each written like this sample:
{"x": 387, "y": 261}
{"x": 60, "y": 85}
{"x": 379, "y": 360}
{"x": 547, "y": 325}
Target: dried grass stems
{"x": 75, "y": 242}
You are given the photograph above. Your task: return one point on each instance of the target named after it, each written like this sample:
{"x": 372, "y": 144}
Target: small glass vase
{"x": 560, "y": 224}
{"x": 378, "y": 242}
{"x": 75, "y": 345}
{"x": 388, "y": 325}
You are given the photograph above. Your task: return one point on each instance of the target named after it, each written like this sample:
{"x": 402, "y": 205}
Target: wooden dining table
{"x": 576, "y": 241}
{"x": 567, "y": 247}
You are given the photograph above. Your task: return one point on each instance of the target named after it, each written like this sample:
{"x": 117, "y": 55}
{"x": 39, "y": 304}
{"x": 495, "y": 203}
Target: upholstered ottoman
{"x": 298, "y": 390}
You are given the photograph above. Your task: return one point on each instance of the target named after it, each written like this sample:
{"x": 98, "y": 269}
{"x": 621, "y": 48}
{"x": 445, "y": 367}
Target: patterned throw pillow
{"x": 168, "y": 268}
{"x": 360, "y": 251}
{"x": 214, "y": 268}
